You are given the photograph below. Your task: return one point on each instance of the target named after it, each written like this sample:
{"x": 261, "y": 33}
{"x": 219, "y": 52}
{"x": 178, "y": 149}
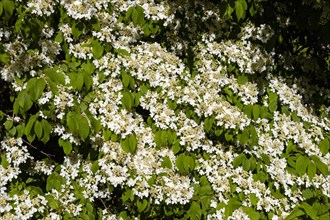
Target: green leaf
{"x": 246, "y": 165}
{"x": 320, "y": 165}
{"x": 163, "y": 138}
{"x": 146, "y": 29}
{"x": 9, "y": 124}
{"x": 244, "y": 137}
{"x": 129, "y": 144}
{"x": 125, "y": 78}
{"x": 88, "y": 67}
{"x": 254, "y": 199}
{"x": 239, "y": 10}
{"x": 233, "y": 204}
{"x": 256, "y": 112}
{"x": 54, "y": 181}
{"x": 242, "y": 79}
{"x": 142, "y": 205}
{"x": 132, "y": 143}
{"x": 78, "y": 81}
{"x": 307, "y": 193}
{"x": 179, "y": 162}
{"x": 206, "y": 190}
{"x": 35, "y": 88}
{"x": 4, "y": 162}
{"x": 208, "y": 123}
{"x": 248, "y": 110}
{"x": 20, "y": 130}
{"x": 218, "y": 132}
{"x": 228, "y": 136}
{"x": 311, "y": 171}
{"x": 176, "y": 148}
{"x": 83, "y": 127}
{"x": 66, "y": 145}
{"x": 126, "y": 195}
{"x": 309, "y": 210}
{"x": 294, "y": 214}
{"x": 53, "y": 204}
{"x": 95, "y": 166}
{"x": 1, "y": 8}
{"x": 8, "y": 7}
{"x": 324, "y": 146}
{"x": 254, "y": 136}
{"x": 195, "y": 212}
{"x": 38, "y": 129}
{"x": 166, "y": 162}
{"x": 301, "y": 165}
{"x": 272, "y": 106}
{"x": 138, "y": 15}
{"x": 189, "y": 163}
{"x": 30, "y": 124}
{"x": 72, "y": 122}
{"x": 24, "y": 100}
{"x": 239, "y": 160}
{"x": 97, "y": 49}
{"x": 47, "y": 128}
{"x": 127, "y": 100}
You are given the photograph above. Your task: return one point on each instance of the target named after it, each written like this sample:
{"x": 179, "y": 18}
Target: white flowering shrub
{"x": 152, "y": 109}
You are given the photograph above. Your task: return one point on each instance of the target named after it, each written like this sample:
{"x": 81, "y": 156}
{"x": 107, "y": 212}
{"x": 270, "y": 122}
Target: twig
{"x": 47, "y": 155}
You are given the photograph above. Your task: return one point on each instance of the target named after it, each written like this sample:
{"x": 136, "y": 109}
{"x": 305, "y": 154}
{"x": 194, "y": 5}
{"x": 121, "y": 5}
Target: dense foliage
{"x": 150, "y": 109}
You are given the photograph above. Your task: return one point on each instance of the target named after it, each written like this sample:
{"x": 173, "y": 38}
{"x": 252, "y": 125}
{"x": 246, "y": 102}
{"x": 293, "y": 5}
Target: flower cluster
{"x": 136, "y": 109}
